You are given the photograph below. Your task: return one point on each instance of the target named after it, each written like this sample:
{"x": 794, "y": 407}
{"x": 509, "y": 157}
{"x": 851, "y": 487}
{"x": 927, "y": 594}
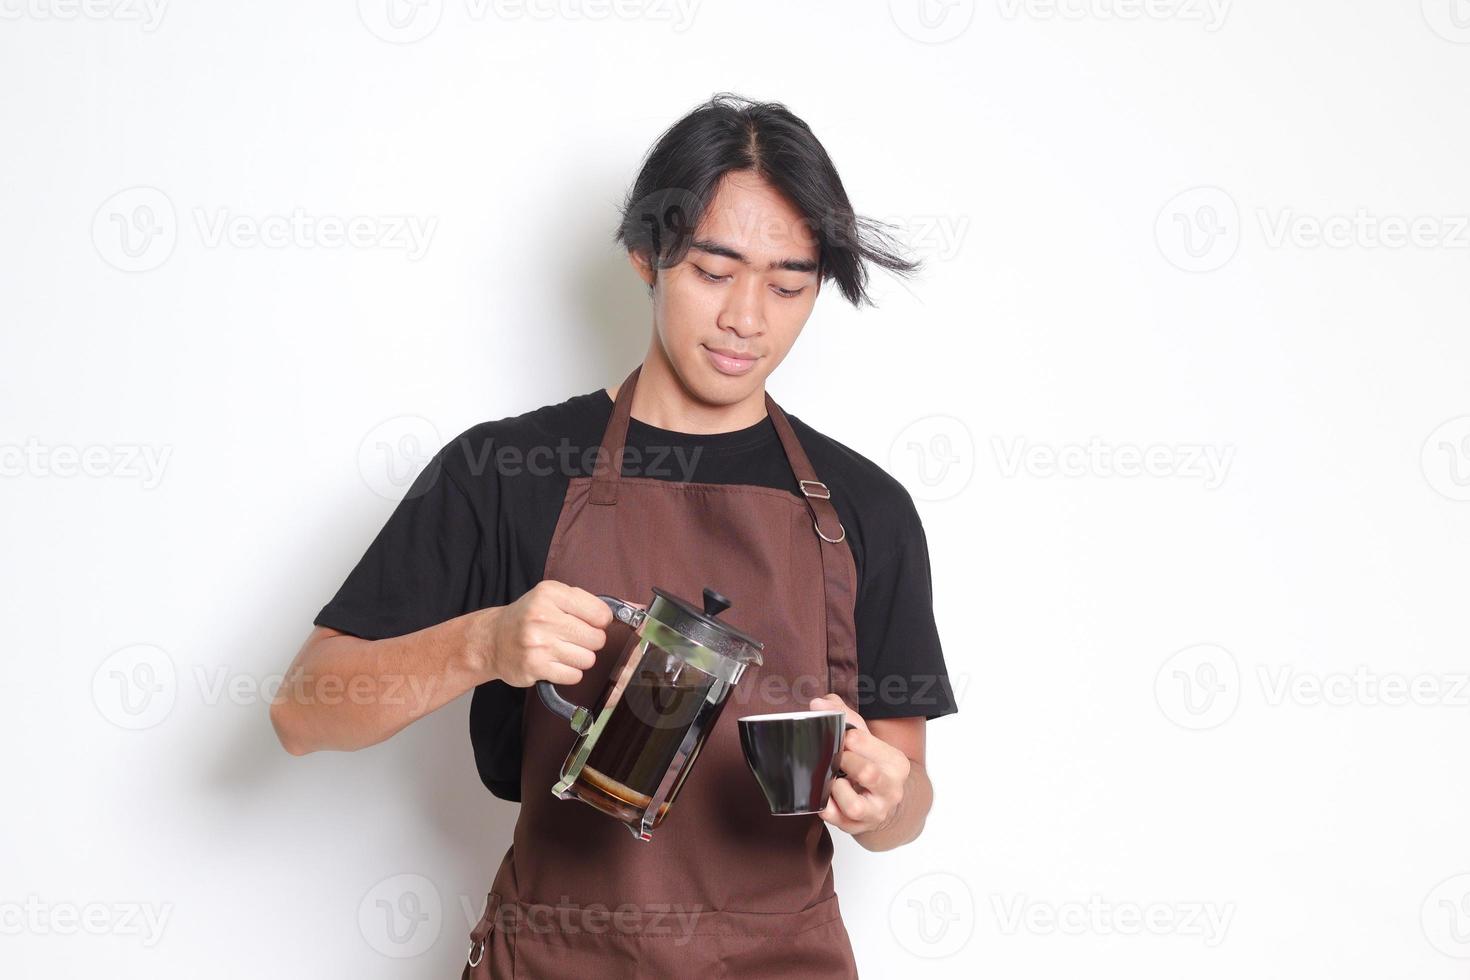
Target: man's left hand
{"x": 867, "y": 796}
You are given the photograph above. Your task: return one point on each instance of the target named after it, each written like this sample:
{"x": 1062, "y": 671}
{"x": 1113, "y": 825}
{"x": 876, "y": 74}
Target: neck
{"x": 662, "y": 400}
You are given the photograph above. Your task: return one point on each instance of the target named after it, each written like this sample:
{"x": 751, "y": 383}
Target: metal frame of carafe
{"x": 724, "y": 673}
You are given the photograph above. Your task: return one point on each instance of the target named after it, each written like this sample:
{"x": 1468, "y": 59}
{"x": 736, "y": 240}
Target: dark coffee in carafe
{"x": 642, "y": 736}
{"x": 666, "y": 690}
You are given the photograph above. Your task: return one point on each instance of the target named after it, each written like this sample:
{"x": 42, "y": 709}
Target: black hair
{"x": 682, "y": 171}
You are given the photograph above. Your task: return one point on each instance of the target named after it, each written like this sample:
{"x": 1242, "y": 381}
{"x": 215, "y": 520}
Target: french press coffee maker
{"x": 636, "y": 747}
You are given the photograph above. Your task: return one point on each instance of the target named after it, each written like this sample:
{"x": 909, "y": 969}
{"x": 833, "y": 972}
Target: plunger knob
{"x": 714, "y": 603}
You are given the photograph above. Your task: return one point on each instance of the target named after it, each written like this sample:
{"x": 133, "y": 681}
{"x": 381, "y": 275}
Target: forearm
{"x": 344, "y": 692}
{"x": 907, "y": 820}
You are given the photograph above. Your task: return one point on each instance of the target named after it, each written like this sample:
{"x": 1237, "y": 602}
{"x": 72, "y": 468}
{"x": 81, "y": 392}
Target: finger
{"x": 832, "y": 813}
{"x": 860, "y": 769}
{"x": 583, "y": 605}
{"x": 580, "y": 632}
{"x": 833, "y": 702}
{"x": 573, "y": 655}
{"x": 559, "y": 673}
{"x": 849, "y": 802}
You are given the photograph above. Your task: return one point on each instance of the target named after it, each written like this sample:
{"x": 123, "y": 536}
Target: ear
{"x": 642, "y": 266}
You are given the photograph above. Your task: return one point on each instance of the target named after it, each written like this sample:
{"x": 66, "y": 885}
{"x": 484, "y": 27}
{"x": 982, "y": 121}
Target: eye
{"x": 707, "y": 277}
{"x": 790, "y": 293}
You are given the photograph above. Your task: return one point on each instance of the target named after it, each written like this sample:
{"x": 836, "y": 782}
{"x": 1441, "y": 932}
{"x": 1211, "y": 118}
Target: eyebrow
{"x": 719, "y": 248}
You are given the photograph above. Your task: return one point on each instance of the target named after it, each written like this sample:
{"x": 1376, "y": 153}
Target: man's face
{"x": 727, "y": 314}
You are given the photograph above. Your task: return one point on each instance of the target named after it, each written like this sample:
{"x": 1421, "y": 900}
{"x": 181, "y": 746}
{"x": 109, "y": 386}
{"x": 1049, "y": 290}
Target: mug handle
{"x": 580, "y": 717}
{"x": 848, "y": 726}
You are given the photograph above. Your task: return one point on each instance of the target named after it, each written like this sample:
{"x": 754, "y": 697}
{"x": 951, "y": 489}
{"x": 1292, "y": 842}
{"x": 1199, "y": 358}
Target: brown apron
{"x": 724, "y": 889}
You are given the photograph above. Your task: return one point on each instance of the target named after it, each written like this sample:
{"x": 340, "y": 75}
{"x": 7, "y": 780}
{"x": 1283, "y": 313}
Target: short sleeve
{"x": 901, "y": 668}
{"x": 424, "y": 566}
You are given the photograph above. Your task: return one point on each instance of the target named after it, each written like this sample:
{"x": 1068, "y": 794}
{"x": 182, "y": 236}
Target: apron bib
{"x": 724, "y": 889}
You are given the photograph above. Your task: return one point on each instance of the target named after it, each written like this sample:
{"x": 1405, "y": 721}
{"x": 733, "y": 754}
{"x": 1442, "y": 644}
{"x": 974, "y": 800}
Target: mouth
{"x": 727, "y": 361}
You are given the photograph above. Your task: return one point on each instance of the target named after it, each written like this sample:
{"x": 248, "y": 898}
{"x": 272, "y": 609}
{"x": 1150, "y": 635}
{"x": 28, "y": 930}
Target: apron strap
{"x": 608, "y": 469}
{"x": 838, "y": 570}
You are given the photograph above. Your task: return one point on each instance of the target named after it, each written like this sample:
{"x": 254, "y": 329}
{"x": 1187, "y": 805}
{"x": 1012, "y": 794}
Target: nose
{"x": 742, "y": 313}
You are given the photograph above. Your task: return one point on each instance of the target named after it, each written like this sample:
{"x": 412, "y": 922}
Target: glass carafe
{"x": 636, "y": 747}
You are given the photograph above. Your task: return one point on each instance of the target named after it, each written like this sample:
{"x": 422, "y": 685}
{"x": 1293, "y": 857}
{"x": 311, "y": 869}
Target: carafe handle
{"x": 580, "y": 717}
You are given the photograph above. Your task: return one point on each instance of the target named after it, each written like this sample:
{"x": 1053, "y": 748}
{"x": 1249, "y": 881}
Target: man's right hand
{"x": 552, "y": 633}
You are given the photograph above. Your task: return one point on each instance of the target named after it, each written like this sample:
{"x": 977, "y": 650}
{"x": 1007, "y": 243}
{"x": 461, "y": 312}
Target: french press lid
{"x": 701, "y": 626}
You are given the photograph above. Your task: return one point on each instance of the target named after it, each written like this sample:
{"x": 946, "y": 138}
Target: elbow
{"x": 286, "y": 732}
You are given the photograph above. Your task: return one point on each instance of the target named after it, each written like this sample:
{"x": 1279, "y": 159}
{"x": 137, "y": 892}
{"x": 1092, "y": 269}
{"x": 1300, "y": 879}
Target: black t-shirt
{"x": 474, "y": 529}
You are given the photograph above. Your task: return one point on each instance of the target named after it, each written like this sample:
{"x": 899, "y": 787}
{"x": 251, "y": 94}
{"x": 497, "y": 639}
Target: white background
{"x": 1211, "y": 721}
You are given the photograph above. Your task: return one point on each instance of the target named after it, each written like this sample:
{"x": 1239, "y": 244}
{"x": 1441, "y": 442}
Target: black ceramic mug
{"x": 794, "y": 757}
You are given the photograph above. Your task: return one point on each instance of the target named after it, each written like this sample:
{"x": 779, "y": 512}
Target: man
{"x": 484, "y": 578}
